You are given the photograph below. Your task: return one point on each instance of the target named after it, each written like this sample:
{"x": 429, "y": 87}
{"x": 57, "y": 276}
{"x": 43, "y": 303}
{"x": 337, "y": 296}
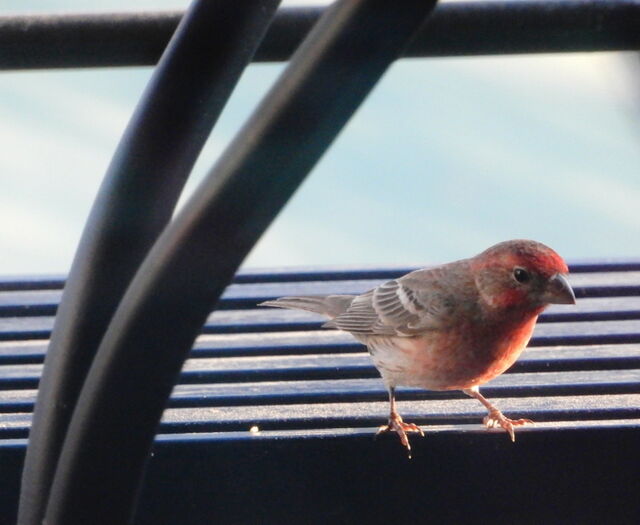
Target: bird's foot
{"x": 401, "y": 428}
{"x": 496, "y": 419}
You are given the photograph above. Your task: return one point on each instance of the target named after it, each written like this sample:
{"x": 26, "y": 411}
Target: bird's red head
{"x": 521, "y": 274}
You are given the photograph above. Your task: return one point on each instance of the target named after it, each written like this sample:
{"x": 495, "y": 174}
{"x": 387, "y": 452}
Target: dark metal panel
{"x": 267, "y": 380}
{"x": 466, "y": 28}
{"x": 577, "y": 474}
{"x": 308, "y": 384}
{"x": 474, "y": 477}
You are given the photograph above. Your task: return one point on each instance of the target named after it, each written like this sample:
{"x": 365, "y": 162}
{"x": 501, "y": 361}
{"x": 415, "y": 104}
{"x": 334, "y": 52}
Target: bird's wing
{"x": 411, "y": 305}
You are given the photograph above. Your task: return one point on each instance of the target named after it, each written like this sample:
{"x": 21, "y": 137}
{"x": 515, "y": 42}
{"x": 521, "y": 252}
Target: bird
{"x": 450, "y": 327}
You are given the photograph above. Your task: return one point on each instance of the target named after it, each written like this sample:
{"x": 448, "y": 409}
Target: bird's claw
{"x": 401, "y": 428}
{"x": 496, "y": 419}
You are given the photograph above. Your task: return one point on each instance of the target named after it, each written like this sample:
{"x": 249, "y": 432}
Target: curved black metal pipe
{"x": 184, "y": 98}
{"x": 150, "y": 336}
{"x": 461, "y": 28}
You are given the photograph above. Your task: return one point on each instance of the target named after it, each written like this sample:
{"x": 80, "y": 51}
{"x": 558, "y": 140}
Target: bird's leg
{"x": 495, "y": 418}
{"x": 397, "y": 425}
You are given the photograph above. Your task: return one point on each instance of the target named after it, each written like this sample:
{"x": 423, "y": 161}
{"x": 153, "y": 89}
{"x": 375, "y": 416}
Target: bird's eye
{"x": 521, "y": 275}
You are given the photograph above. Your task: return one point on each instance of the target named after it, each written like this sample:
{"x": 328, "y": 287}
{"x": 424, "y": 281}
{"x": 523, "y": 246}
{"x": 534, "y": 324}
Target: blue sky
{"x": 446, "y": 157}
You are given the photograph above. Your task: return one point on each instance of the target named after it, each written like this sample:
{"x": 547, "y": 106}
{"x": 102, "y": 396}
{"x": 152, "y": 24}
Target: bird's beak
{"x": 559, "y": 291}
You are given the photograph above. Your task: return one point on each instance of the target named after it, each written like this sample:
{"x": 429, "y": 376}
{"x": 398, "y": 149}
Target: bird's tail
{"x": 329, "y": 305}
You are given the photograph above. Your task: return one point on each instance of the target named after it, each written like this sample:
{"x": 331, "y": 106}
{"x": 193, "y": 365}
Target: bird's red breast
{"x": 452, "y": 359}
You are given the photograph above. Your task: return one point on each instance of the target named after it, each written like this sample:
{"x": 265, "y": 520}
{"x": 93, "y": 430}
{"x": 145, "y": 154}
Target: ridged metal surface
{"x": 315, "y": 400}
{"x": 280, "y": 371}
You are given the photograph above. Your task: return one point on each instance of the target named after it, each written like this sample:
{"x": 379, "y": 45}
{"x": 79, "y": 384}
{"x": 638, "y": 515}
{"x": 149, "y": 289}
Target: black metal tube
{"x": 466, "y": 28}
{"x": 152, "y": 332}
{"x": 184, "y": 98}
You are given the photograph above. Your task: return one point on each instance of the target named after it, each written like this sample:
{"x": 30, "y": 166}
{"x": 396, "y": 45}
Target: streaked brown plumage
{"x": 452, "y": 327}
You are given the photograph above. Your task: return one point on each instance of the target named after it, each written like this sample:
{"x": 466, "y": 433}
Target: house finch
{"x": 451, "y": 327}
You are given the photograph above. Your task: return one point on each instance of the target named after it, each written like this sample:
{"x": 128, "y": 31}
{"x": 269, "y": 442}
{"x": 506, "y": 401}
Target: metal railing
{"x": 465, "y": 28}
